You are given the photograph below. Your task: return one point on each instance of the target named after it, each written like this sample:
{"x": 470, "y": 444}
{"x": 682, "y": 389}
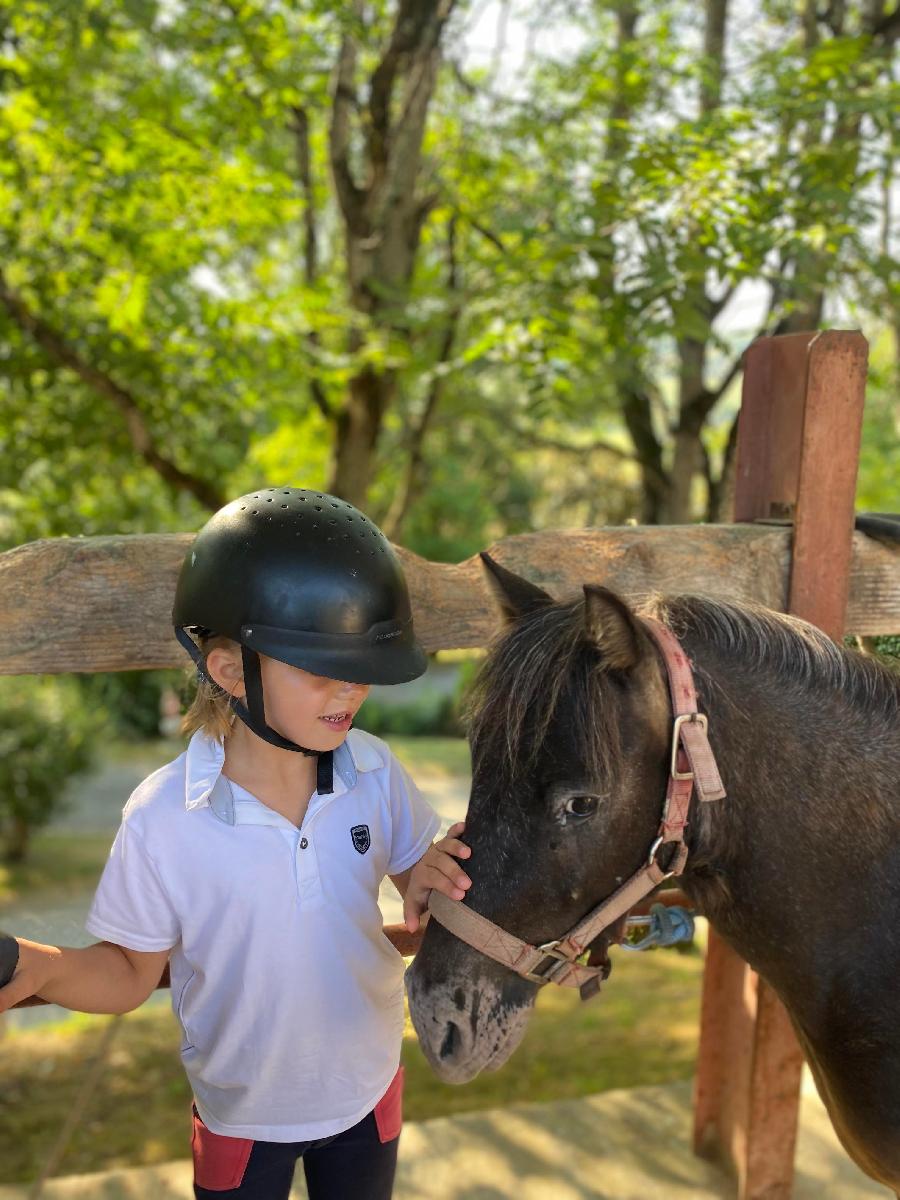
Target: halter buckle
{"x": 684, "y": 719}
{"x": 541, "y": 974}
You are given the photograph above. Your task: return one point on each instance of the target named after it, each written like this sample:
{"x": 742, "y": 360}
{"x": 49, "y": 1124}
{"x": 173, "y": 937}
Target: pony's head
{"x": 569, "y": 729}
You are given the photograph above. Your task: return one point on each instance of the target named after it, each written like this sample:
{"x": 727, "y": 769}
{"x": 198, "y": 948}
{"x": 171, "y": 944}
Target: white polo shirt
{"x": 289, "y": 996}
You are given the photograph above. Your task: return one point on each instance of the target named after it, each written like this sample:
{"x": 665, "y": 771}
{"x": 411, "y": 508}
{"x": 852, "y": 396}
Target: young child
{"x": 252, "y": 862}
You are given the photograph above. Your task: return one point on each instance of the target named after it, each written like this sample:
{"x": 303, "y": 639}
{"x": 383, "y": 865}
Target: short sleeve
{"x": 130, "y": 906}
{"x": 414, "y": 822}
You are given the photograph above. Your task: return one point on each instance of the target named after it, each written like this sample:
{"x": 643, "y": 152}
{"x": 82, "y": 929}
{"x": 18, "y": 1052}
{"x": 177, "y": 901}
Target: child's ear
{"x": 224, "y": 668}
{"x": 611, "y": 625}
{"x": 514, "y": 596}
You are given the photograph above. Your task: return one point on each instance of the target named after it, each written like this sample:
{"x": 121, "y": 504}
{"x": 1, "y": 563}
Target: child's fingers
{"x": 412, "y": 910}
{"x": 452, "y": 846}
{"x": 450, "y": 867}
{"x": 448, "y": 884}
{"x": 456, "y": 829}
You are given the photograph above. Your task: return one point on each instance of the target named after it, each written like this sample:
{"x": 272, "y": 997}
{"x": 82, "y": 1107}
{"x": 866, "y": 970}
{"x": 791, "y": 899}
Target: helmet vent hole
{"x": 268, "y": 499}
{"x": 318, "y": 508}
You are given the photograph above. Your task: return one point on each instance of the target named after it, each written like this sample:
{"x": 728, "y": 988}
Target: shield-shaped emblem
{"x": 361, "y": 839}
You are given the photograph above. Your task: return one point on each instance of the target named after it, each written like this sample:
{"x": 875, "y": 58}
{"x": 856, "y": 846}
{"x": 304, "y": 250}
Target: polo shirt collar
{"x": 206, "y": 787}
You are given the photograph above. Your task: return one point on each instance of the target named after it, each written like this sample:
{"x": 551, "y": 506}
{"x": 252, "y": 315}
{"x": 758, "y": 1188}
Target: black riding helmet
{"x": 305, "y": 578}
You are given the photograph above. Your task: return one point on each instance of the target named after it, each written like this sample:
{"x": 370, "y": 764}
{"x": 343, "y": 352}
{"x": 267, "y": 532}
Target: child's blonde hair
{"x": 210, "y": 709}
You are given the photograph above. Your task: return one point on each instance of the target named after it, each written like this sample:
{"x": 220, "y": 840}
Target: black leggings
{"x": 353, "y": 1165}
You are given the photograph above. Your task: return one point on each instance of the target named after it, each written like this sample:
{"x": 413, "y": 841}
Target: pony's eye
{"x": 581, "y": 806}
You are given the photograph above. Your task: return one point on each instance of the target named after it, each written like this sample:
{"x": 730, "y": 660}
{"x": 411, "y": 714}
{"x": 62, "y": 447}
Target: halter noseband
{"x": 691, "y": 764}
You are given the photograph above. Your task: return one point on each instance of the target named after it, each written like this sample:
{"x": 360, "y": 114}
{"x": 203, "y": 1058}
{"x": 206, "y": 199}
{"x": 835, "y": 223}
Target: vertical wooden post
{"x": 797, "y": 460}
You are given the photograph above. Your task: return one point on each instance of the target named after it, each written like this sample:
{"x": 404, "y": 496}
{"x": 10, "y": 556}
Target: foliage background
{"x": 610, "y": 200}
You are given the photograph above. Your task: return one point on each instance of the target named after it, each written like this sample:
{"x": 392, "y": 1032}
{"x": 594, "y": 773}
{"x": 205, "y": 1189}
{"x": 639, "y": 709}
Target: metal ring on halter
{"x": 651, "y": 858}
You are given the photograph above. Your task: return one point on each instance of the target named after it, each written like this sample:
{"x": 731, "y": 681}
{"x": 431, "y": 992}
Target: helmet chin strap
{"x": 253, "y": 714}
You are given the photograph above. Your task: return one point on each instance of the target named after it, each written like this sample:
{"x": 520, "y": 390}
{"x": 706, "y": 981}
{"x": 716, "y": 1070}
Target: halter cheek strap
{"x": 691, "y": 764}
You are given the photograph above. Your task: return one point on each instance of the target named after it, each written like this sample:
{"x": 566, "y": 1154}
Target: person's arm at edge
{"x": 102, "y": 978}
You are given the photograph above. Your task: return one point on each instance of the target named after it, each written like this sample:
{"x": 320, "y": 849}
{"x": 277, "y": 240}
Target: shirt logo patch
{"x": 361, "y": 839}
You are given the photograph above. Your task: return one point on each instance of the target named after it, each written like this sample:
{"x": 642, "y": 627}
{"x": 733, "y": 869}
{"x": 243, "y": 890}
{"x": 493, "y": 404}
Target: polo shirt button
{"x": 303, "y": 843}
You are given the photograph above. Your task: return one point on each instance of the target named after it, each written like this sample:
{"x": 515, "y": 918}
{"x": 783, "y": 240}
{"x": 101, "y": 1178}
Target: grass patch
{"x": 444, "y": 756}
{"x": 434, "y": 755}
{"x": 61, "y": 865}
{"x": 642, "y": 1029}
{"x": 58, "y": 865}
{"x": 148, "y": 755}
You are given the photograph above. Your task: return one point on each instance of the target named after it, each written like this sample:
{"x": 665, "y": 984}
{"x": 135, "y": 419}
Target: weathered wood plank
{"x": 103, "y": 603}
{"x": 829, "y": 463}
{"x": 798, "y": 451}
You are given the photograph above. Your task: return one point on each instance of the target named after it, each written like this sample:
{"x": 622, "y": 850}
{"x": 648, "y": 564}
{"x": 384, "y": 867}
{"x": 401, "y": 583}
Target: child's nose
{"x": 352, "y": 689}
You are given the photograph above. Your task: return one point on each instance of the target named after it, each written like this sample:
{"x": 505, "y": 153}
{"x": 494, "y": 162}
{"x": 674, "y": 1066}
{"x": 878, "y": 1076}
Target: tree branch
{"x": 416, "y": 31}
{"x": 350, "y": 197}
{"x": 486, "y": 233}
{"x": 412, "y": 483}
{"x": 59, "y": 350}
{"x": 300, "y": 129}
{"x": 598, "y": 445}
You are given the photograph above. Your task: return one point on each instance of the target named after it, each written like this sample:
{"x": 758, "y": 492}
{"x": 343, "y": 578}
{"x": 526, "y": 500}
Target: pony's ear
{"x": 611, "y": 625}
{"x": 514, "y": 595}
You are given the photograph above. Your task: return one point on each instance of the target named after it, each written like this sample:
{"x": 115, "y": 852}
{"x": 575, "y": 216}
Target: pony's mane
{"x": 795, "y": 653}
{"x": 520, "y": 684}
{"x": 530, "y": 664}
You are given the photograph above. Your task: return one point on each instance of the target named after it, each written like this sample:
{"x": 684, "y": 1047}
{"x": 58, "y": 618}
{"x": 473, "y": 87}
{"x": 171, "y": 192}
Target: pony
{"x": 798, "y": 868}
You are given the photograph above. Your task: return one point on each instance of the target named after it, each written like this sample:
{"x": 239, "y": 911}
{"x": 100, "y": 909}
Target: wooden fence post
{"x": 797, "y": 460}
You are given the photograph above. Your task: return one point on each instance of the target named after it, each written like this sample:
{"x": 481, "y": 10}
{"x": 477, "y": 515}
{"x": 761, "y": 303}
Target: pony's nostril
{"x": 451, "y": 1042}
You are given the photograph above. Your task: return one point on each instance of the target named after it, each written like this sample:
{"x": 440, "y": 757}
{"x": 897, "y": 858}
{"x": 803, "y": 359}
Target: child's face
{"x": 298, "y": 703}
{"x": 303, "y": 707}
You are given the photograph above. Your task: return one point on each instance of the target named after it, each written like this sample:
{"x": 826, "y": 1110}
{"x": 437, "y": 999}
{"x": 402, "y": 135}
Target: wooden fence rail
{"x": 103, "y": 603}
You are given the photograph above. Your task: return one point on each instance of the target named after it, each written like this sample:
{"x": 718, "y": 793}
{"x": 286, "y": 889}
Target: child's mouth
{"x": 338, "y": 720}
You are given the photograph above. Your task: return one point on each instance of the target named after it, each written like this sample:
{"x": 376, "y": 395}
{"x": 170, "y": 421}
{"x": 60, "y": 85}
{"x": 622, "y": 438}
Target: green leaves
{"x": 584, "y": 232}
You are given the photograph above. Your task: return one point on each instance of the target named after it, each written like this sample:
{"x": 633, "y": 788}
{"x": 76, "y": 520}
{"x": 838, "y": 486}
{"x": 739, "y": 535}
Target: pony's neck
{"x": 807, "y": 823}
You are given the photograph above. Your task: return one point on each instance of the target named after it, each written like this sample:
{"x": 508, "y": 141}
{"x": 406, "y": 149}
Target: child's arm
{"x": 435, "y": 869}
{"x": 103, "y": 978}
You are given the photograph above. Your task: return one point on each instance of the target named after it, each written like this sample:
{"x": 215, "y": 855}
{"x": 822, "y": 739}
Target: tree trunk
{"x": 694, "y": 402}
{"x": 358, "y": 425}
{"x": 383, "y": 212}
{"x": 17, "y": 840}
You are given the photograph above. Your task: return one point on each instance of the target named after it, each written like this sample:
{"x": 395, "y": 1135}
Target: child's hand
{"x": 35, "y": 968}
{"x": 437, "y": 869}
